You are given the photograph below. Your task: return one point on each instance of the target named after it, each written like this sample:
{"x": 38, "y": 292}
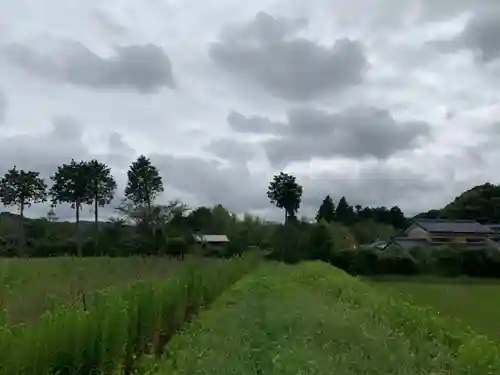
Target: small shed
{"x": 216, "y": 240}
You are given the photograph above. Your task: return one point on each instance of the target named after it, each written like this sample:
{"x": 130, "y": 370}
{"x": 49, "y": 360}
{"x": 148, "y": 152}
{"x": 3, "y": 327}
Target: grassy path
{"x": 313, "y": 319}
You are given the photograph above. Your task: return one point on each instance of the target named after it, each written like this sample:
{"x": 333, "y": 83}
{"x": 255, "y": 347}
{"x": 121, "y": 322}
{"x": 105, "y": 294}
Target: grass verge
{"x": 315, "y": 319}
{"x": 118, "y": 326}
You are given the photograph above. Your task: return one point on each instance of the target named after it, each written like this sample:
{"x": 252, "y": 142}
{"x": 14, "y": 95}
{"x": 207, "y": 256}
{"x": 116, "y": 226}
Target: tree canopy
{"x": 326, "y": 211}
{"x": 144, "y": 182}
{"x": 102, "y": 186}
{"x": 285, "y": 193}
{"x": 22, "y": 188}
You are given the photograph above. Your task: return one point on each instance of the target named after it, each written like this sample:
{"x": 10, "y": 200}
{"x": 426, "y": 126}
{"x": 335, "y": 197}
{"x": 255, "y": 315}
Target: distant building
{"x": 215, "y": 240}
{"x": 439, "y": 231}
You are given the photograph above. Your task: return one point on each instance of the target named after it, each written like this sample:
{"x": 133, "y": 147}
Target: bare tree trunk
{"x": 22, "y": 242}
{"x": 96, "y": 214}
{"x": 96, "y": 224}
{"x": 78, "y": 234}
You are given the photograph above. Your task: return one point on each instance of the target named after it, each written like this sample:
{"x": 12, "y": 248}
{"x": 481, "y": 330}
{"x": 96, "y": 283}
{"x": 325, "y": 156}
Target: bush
{"x": 177, "y": 247}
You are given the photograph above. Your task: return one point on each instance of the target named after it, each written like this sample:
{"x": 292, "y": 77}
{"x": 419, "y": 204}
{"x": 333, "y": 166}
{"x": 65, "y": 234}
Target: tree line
{"x": 285, "y": 192}
{"x": 80, "y": 183}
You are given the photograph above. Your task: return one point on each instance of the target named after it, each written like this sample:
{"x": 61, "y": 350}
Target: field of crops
{"x": 239, "y": 316}
{"x": 474, "y": 302}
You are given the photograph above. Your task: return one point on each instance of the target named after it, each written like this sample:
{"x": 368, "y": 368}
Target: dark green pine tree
{"x": 326, "y": 211}
{"x": 345, "y": 213}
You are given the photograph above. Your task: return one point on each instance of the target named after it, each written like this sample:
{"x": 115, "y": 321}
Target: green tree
{"x": 102, "y": 186}
{"x": 345, "y": 213}
{"x": 22, "y": 189}
{"x": 286, "y": 194}
{"x": 144, "y": 183}
{"x": 71, "y": 185}
{"x": 326, "y": 211}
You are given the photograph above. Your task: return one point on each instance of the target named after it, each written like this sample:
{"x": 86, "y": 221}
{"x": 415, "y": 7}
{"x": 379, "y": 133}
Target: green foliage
{"x": 290, "y": 243}
{"x": 118, "y": 326}
{"x": 71, "y": 184}
{"x": 317, "y": 319}
{"x": 369, "y": 231}
{"x": 22, "y": 188}
{"x": 285, "y": 193}
{"x": 345, "y": 213}
{"x": 481, "y": 203}
{"x": 144, "y": 182}
{"x": 102, "y": 185}
{"x": 326, "y": 211}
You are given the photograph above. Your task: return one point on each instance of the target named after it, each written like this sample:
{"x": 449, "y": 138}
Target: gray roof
{"x": 211, "y": 238}
{"x": 453, "y": 226}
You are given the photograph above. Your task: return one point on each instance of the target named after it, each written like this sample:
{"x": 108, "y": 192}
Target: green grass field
{"x": 474, "y": 302}
{"x": 309, "y": 318}
{"x": 314, "y": 319}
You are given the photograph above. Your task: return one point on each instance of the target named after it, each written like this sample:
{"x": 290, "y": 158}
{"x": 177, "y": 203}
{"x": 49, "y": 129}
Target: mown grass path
{"x": 314, "y": 319}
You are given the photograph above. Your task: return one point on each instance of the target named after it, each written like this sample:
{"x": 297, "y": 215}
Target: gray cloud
{"x": 375, "y": 184}
{"x": 481, "y": 33}
{"x": 144, "y": 68}
{"x": 209, "y": 182}
{"x": 358, "y": 133}
{"x": 252, "y": 124}
{"x": 3, "y": 106}
{"x": 290, "y": 68}
{"x": 232, "y": 150}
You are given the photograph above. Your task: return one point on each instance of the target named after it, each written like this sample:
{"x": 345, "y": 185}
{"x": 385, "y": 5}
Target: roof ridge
{"x": 448, "y": 220}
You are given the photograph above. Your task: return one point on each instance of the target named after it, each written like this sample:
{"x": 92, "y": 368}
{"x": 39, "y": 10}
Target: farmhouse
{"x": 439, "y": 231}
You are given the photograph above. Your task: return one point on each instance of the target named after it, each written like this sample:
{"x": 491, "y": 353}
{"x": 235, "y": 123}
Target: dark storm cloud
{"x": 288, "y": 67}
{"x": 144, "y": 68}
{"x": 357, "y": 133}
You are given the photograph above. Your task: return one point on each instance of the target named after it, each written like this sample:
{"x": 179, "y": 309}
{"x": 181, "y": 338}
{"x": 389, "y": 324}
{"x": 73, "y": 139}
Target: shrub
{"x": 177, "y": 247}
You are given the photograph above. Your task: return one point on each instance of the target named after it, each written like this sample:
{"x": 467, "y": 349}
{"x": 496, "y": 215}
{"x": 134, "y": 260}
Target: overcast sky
{"x": 389, "y": 102}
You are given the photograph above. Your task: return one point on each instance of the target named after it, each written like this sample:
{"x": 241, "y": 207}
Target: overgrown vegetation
{"x": 28, "y": 288}
{"x": 325, "y": 322}
{"x": 117, "y": 325}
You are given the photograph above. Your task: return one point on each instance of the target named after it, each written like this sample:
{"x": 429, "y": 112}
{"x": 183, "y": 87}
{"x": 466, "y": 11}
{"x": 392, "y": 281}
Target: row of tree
{"x": 286, "y": 193}
{"x": 79, "y": 183}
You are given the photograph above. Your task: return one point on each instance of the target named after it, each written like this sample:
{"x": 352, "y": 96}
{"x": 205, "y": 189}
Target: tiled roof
{"x": 211, "y": 238}
{"x": 452, "y": 226}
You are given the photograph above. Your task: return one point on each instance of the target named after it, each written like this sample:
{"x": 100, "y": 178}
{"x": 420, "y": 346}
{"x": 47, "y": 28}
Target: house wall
{"x": 414, "y": 231}
{"x": 457, "y": 238}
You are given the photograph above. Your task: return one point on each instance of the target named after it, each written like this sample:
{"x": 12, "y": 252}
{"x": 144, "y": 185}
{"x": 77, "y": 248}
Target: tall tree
{"x": 71, "y": 185}
{"x": 326, "y": 211}
{"x": 102, "y": 186}
{"x": 144, "y": 183}
{"x": 22, "y": 189}
{"x": 398, "y": 219}
{"x": 285, "y": 193}
{"x": 345, "y": 213}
